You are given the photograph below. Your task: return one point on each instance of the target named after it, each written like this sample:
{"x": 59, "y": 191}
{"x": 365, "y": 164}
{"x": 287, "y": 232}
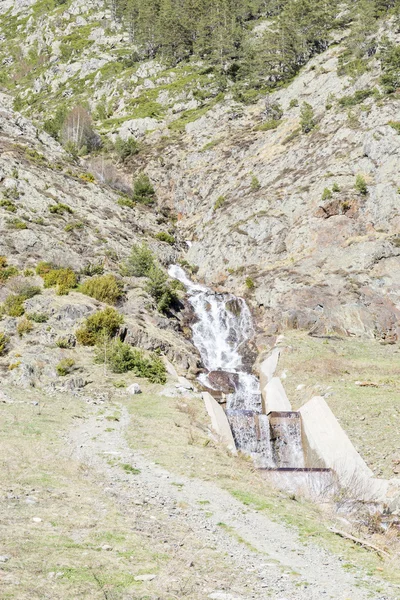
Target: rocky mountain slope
{"x": 261, "y": 201}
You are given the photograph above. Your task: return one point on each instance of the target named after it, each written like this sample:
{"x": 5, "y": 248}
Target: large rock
{"x": 223, "y": 381}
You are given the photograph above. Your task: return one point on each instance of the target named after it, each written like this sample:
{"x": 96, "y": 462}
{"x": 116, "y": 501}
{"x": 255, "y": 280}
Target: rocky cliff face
{"x": 253, "y": 203}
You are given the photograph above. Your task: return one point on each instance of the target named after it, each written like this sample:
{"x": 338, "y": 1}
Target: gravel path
{"x": 260, "y": 555}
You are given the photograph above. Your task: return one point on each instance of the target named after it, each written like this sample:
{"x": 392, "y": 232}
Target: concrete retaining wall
{"x": 274, "y": 397}
{"x": 219, "y": 421}
{"x": 326, "y": 441}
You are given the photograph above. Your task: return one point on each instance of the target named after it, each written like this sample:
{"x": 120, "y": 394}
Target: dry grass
{"x": 182, "y": 445}
{"x": 370, "y": 415}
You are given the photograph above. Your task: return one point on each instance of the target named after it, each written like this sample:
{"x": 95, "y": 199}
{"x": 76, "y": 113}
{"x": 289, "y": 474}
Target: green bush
{"x": 140, "y": 261}
{"x": 38, "y": 317}
{"x": 65, "y": 366}
{"x": 126, "y": 148}
{"x": 395, "y": 125}
{"x": 105, "y": 288}
{"x": 4, "y": 340}
{"x": 335, "y": 188}
{"x": 293, "y": 103}
{"x": 24, "y": 326}
{"x": 165, "y": 237}
{"x": 307, "y": 122}
{"x": 361, "y": 185}
{"x": 8, "y": 205}
{"x": 390, "y": 63}
{"x": 143, "y": 191}
{"x": 60, "y": 209}
{"x": 268, "y": 125}
{"x": 6, "y": 271}
{"x": 93, "y": 269}
{"x": 357, "y": 98}
{"x": 64, "y": 279}
{"x": 326, "y": 194}
{"x": 64, "y": 343}
{"x": 122, "y": 358}
{"x": 250, "y": 283}
{"x": 255, "y": 184}
{"x": 16, "y": 224}
{"x": 219, "y": 202}
{"x": 107, "y": 321}
{"x": 160, "y": 289}
{"x": 14, "y": 304}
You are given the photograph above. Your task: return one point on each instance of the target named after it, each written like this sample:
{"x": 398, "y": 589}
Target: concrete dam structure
{"x": 304, "y": 451}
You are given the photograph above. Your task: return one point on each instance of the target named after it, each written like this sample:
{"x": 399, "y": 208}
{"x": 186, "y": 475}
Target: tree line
{"x": 266, "y": 40}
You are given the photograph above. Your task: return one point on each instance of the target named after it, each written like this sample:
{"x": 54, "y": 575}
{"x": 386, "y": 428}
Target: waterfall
{"x": 222, "y": 330}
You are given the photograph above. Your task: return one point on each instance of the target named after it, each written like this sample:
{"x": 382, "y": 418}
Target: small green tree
{"x": 361, "y": 185}
{"x": 143, "y": 191}
{"x": 126, "y": 148}
{"x": 307, "y": 122}
{"x": 326, "y": 194}
{"x": 140, "y": 261}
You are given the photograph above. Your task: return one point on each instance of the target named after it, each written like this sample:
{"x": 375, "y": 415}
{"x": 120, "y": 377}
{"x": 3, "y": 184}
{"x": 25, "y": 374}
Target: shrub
{"x": 5, "y": 271}
{"x": 8, "y": 205}
{"x": 250, "y": 283}
{"x": 38, "y": 317}
{"x": 105, "y": 288}
{"x": 53, "y": 125}
{"x": 326, "y": 194}
{"x": 335, "y": 188}
{"x": 4, "y": 340}
{"x": 16, "y": 224}
{"x": 64, "y": 279}
{"x": 390, "y": 63}
{"x": 293, "y": 103}
{"x": 123, "y": 358}
{"x": 307, "y": 122}
{"x": 24, "y": 326}
{"x": 64, "y": 342}
{"x": 14, "y": 306}
{"x": 219, "y": 202}
{"x": 106, "y": 321}
{"x": 140, "y": 261}
{"x": 165, "y": 237}
{"x": 255, "y": 184}
{"x": 361, "y": 185}
{"x": 126, "y": 148}
{"x": 395, "y": 125}
{"x": 60, "y": 209}
{"x": 159, "y": 288}
{"x": 65, "y": 366}
{"x": 43, "y": 267}
{"x": 357, "y": 98}
{"x": 268, "y": 125}
{"x": 143, "y": 191}
{"x": 93, "y": 269}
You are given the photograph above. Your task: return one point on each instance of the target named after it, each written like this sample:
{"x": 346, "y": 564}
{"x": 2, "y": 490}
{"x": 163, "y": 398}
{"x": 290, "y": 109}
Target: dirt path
{"x": 261, "y": 558}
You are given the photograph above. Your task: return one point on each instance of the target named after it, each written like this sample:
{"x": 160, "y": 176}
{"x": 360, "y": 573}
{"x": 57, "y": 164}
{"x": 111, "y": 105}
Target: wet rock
{"x": 224, "y": 381}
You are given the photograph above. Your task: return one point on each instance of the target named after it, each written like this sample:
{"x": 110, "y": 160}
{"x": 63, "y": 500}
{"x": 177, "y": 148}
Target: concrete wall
{"x": 219, "y": 421}
{"x": 326, "y": 441}
{"x": 274, "y": 397}
{"x": 268, "y": 367}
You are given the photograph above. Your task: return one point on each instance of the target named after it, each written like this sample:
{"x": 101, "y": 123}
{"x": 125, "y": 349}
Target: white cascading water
{"x": 223, "y": 328}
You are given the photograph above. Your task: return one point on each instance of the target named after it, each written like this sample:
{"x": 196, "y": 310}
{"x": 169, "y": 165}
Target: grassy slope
{"x": 370, "y": 415}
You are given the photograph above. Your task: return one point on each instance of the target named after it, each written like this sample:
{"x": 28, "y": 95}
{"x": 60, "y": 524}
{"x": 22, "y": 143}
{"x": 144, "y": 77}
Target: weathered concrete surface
{"x": 219, "y": 421}
{"x": 326, "y": 441}
{"x": 268, "y": 367}
{"x": 274, "y": 397}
